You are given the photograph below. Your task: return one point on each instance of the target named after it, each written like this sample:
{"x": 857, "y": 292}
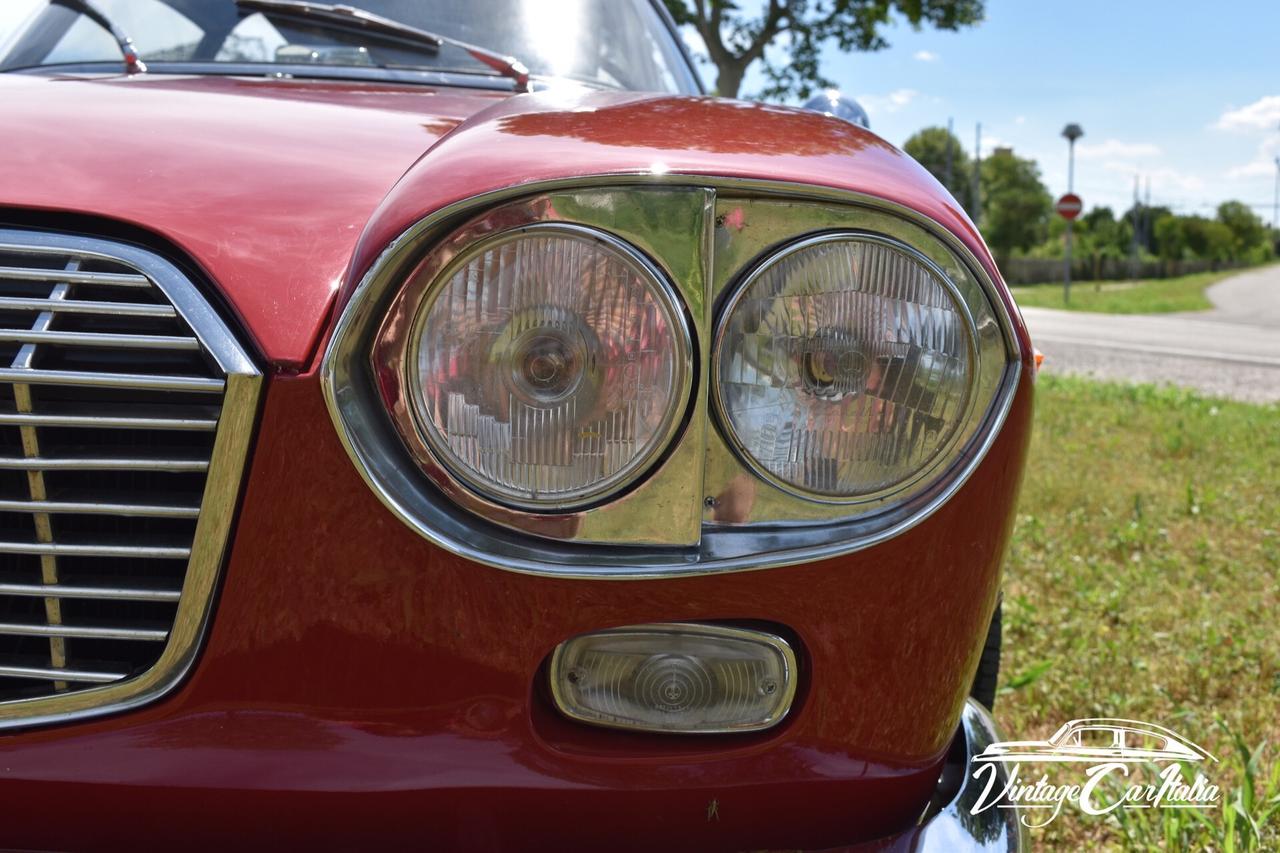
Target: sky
{"x": 1184, "y": 94}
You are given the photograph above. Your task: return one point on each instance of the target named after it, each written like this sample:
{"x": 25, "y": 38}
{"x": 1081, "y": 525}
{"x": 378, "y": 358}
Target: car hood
{"x": 264, "y": 183}
{"x": 282, "y": 190}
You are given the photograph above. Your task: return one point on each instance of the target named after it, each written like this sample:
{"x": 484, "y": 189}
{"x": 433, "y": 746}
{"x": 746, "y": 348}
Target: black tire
{"x": 984, "y": 683}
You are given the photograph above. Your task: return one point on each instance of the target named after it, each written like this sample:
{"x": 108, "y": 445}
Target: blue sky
{"x": 1185, "y": 93}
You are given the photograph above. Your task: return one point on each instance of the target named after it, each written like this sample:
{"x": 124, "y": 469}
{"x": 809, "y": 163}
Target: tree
{"x": 736, "y": 39}
{"x": 1015, "y": 204}
{"x": 1247, "y": 231}
{"x": 929, "y": 147}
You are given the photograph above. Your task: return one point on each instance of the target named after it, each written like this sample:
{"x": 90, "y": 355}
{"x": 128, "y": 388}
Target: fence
{"x": 1041, "y": 270}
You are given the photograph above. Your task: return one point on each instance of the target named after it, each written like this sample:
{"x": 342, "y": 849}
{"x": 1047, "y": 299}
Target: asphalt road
{"x": 1231, "y": 351}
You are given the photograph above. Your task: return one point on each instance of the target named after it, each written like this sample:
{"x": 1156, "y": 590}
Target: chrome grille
{"x": 119, "y": 391}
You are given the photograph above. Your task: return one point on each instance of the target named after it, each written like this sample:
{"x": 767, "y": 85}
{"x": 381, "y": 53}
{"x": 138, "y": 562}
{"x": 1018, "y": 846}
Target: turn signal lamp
{"x": 678, "y": 678}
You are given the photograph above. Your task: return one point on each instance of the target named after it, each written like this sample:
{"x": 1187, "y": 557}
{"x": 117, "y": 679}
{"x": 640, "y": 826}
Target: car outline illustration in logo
{"x": 1101, "y": 739}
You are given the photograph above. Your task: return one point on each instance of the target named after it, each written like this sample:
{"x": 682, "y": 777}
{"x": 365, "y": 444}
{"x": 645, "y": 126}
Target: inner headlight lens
{"x": 551, "y": 366}
{"x": 845, "y": 367}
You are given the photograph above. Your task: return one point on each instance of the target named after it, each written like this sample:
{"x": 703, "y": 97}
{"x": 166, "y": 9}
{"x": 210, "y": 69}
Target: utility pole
{"x": 1071, "y": 133}
{"x": 976, "y": 202}
{"x": 1148, "y": 227}
{"x": 1133, "y": 255}
{"x": 947, "y": 171}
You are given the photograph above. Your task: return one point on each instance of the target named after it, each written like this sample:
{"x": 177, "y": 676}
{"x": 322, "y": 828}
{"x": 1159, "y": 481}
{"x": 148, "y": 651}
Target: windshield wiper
{"x": 132, "y": 61}
{"x": 350, "y": 18}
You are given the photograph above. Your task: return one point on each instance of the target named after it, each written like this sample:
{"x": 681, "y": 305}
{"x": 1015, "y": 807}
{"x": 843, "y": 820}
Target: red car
{"x": 441, "y": 425}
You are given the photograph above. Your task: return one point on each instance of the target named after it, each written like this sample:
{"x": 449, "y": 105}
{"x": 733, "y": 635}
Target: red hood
{"x": 266, "y": 184}
{"x": 278, "y": 188}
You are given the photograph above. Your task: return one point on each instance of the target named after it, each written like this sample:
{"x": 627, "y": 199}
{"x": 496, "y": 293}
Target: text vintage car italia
{"x": 409, "y": 445}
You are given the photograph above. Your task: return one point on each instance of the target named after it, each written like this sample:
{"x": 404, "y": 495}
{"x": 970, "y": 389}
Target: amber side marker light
{"x": 675, "y": 677}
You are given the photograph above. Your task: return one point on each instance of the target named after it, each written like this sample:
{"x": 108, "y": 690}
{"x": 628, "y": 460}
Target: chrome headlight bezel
{"x": 702, "y": 509}
{"x": 969, "y": 301}
{"x": 402, "y": 352}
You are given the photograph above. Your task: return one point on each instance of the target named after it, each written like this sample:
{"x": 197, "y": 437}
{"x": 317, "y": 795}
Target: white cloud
{"x": 1114, "y": 149}
{"x": 1262, "y": 114}
{"x": 1162, "y": 180}
{"x": 1020, "y": 120}
{"x": 926, "y": 56}
{"x": 890, "y": 103}
{"x": 1263, "y": 164}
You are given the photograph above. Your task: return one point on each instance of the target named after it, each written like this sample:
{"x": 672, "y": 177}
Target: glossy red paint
{"x": 266, "y": 184}
{"x": 556, "y": 136}
{"x": 363, "y": 688}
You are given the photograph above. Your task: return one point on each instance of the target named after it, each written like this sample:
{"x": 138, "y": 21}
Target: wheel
{"x": 984, "y": 682}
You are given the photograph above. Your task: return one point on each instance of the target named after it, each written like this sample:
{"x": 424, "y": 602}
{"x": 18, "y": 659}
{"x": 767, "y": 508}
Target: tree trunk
{"x": 729, "y": 79}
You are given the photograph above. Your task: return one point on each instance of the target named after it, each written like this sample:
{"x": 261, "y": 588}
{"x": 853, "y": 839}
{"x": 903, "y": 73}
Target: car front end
{"x": 403, "y": 463}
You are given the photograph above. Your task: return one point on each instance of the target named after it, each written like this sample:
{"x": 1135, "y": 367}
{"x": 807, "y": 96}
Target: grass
{"x": 1144, "y": 583}
{"x": 1148, "y": 296}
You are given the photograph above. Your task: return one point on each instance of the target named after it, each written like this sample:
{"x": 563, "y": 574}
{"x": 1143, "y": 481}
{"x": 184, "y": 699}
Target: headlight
{"x": 642, "y": 381}
{"x": 845, "y": 365}
{"x": 548, "y": 366}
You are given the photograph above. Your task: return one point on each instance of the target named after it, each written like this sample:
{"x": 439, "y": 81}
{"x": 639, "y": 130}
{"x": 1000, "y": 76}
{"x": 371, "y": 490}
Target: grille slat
{"x": 114, "y": 309}
{"x": 131, "y": 510}
{"x": 108, "y": 421}
{"x": 80, "y": 550}
{"x": 102, "y": 464}
{"x": 102, "y": 592}
{"x": 87, "y": 632}
{"x": 132, "y": 381}
{"x": 99, "y": 339}
{"x": 108, "y": 279}
{"x": 61, "y": 674}
{"x": 109, "y": 411}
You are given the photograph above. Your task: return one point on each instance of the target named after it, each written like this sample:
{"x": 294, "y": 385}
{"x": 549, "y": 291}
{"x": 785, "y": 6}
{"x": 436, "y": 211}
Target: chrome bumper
{"x": 949, "y": 823}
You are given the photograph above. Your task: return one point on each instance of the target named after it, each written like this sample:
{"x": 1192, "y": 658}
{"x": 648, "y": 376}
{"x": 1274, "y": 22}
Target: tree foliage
{"x": 1015, "y": 204}
{"x": 929, "y": 148}
{"x": 735, "y": 39}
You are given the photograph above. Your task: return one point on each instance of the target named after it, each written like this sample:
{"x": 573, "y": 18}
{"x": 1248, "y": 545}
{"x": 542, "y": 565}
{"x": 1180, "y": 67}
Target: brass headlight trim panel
{"x": 704, "y": 234}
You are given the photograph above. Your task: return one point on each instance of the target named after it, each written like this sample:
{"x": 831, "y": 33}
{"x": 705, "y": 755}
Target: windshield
{"x": 623, "y": 44}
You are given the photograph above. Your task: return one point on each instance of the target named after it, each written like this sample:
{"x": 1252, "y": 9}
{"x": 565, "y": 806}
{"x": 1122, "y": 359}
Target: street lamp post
{"x": 1275, "y": 208}
{"x": 1072, "y": 132}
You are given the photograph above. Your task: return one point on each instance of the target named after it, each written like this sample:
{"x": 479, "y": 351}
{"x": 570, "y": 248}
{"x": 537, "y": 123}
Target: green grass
{"x": 1144, "y": 582}
{"x": 1148, "y": 296}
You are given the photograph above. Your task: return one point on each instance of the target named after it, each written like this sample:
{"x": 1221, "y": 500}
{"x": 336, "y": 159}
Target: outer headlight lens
{"x": 845, "y": 367}
{"x": 550, "y": 366}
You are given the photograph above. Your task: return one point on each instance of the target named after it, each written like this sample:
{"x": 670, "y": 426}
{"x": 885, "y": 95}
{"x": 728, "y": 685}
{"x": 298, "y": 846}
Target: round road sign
{"x": 1069, "y": 206}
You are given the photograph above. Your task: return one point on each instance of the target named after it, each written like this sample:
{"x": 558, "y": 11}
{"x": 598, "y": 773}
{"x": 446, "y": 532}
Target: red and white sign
{"x": 1069, "y": 206}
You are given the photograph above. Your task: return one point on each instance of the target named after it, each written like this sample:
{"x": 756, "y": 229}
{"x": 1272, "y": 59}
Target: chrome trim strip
{"x": 18, "y": 629}
{"x": 133, "y": 510}
{"x": 100, "y": 339}
{"x": 88, "y": 379}
{"x": 719, "y": 551}
{"x": 72, "y": 306}
{"x": 42, "y": 673}
{"x": 233, "y": 428}
{"x": 67, "y": 550}
{"x": 45, "y": 463}
{"x": 951, "y": 825}
{"x": 35, "y": 590}
{"x": 109, "y": 279}
{"x": 108, "y": 422}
